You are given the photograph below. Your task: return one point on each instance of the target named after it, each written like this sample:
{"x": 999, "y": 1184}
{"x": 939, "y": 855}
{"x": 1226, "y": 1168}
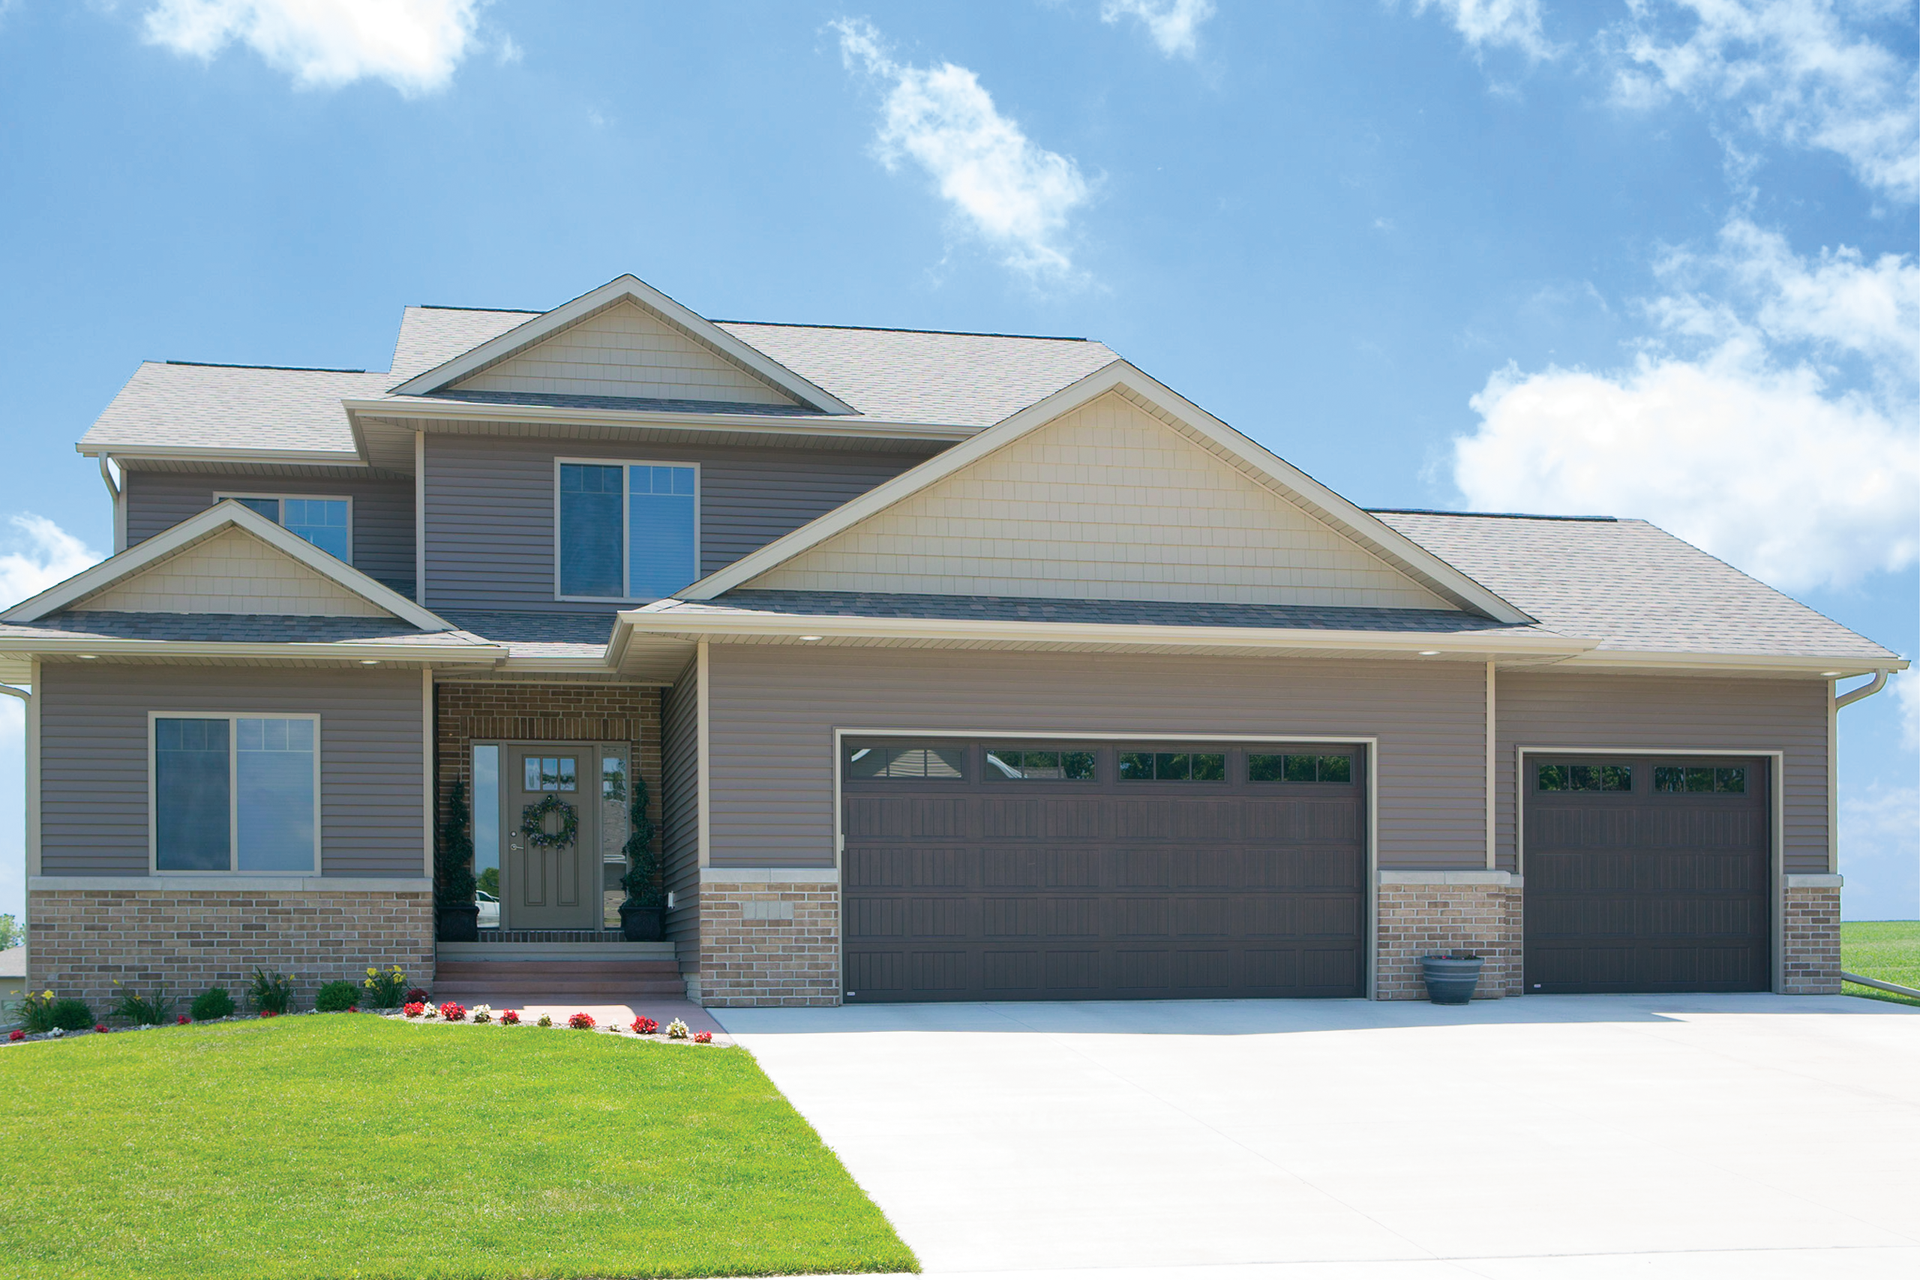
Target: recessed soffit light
{"x": 810, "y": 637}
{"x": 1829, "y": 674}
{"x": 1429, "y": 653}
{"x": 88, "y": 656}
{"x": 369, "y": 662}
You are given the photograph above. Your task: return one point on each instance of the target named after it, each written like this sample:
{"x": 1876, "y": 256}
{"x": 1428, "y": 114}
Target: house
{"x": 957, "y": 666}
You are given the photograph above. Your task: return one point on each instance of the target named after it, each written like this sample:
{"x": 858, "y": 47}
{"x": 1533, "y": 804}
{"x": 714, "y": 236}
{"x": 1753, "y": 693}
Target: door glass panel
{"x": 907, "y": 762}
{"x": 1019, "y": 765}
{"x": 486, "y": 823}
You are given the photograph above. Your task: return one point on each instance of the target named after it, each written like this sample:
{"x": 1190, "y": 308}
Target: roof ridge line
{"x": 445, "y": 306}
{"x": 284, "y": 368}
{"x": 1482, "y": 515}
{"x": 886, "y": 328}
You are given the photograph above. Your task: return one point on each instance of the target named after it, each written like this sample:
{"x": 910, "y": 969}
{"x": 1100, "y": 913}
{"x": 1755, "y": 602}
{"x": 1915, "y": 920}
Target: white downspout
{"x": 117, "y": 491}
{"x": 1838, "y": 700}
{"x": 26, "y": 905}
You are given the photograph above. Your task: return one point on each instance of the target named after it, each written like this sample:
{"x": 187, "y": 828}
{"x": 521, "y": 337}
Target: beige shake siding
{"x": 233, "y": 572}
{"x": 1548, "y": 708}
{"x": 775, "y": 708}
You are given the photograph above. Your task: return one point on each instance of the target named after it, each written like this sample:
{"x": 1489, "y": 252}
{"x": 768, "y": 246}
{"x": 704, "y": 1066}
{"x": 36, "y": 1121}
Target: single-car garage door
{"x": 1647, "y": 874}
{"x": 1019, "y": 870}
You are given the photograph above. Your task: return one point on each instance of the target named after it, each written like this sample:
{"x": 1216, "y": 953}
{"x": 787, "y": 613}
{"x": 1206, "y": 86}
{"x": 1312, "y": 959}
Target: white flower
{"x": 676, "y": 1030}
{"x": 57, "y": 1032}
{"x": 482, "y": 1013}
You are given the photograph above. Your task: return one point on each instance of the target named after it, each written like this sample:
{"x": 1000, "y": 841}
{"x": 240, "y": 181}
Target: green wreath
{"x": 533, "y": 823}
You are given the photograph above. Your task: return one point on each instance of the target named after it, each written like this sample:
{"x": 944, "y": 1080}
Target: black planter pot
{"x": 1450, "y": 981}
{"x": 458, "y": 923}
{"x": 642, "y": 924}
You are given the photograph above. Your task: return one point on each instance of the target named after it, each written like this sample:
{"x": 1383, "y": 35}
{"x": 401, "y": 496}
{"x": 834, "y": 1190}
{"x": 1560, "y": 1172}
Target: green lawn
{"x": 1885, "y": 949}
{"x": 349, "y": 1145}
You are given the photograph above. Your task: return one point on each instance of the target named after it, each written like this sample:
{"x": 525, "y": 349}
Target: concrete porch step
{"x": 549, "y": 992}
{"x": 557, "y": 979}
{"x": 547, "y": 952}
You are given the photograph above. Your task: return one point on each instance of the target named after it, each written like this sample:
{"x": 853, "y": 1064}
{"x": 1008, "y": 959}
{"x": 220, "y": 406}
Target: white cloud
{"x": 1173, "y": 24}
{"x": 1732, "y": 428}
{"x": 1013, "y": 194}
{"x": 414, "y": 45}
{"x": 1906, "y": 694}
{"x": 1483, "y": 23}
{"x": 1800, "y": 72}
{"x": 1880, "y": 852}
{"x": 50, "y": 555}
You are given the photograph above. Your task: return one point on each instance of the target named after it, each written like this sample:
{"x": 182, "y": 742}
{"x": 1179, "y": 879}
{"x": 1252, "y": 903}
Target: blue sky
{"x": 1653, "y": 258}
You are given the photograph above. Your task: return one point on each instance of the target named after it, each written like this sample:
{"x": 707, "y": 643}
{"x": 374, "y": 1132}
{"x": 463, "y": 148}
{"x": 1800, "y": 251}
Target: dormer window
{"x": 325, "y": 522}
{"x": 625, "y": 531}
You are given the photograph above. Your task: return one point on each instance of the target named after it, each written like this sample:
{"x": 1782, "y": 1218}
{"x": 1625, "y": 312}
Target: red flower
{"x": 581, "y": 1022}
{"x": 645, "y": 1026}
{"x": 415, "y": 1009}
{"x": 510, "y": 1017}
{"x": 353, "y": 1008}
{"x": 453, "y": 1012}
{"x": 703, "y": 1037}
{"x": 100, "y": 1027}
{"x": 182, "y": 1020}
{"x": 16, "y": 1035}
{"x": 268, "y": 1013}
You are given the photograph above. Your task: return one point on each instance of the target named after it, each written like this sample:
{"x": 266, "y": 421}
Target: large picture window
{"x": 627, "y": 531}
{"x": 325, "y": 522}
{"x": 236, "y": 793}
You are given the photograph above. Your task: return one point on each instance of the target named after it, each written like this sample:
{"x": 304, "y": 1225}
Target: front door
{"x": 553, "y": 844}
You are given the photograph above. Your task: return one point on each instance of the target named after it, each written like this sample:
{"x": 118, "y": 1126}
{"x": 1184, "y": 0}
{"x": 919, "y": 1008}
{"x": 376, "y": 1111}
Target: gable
{"x": 231, "y": 572}
{"x": 1106, "y": 502}
{"x": 624, "y": 350}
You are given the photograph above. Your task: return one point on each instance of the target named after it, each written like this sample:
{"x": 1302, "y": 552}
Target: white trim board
{"x": 1292, "y": 484}
{"x": 1776, "y": 821}
{"x": 626, "y": 288}
{"x": 198, "y": 528}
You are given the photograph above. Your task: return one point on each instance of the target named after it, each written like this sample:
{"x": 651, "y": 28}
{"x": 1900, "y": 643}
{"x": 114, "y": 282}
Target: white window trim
{"x": 255, "y": 495}
{"x": 626, "y": 495}
{"x": 233, "y": 800}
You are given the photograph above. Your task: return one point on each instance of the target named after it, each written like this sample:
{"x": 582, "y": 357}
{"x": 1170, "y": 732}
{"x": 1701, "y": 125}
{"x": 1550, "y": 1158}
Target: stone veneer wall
{"x": 544, "y": 711}
{"x": 1810, "y": 936}
{"x": 768, "y": 941}
{"x": 83, "y": 940}
{"x": 1428, "y": 912}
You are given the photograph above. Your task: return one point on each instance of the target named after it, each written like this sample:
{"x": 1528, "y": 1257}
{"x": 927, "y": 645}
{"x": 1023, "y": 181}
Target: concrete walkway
{"x": 1569, "y": 1137}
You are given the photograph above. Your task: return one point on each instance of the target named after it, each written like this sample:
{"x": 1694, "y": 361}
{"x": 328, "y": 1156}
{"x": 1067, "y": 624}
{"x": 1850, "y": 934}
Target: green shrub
{"x": 385, "y": 989}
{"x": 145, "y": 1011}
{"x": 270, "y": 992}
{"x": 72, "y": 1015}
{"x": 36, "y": 1013}
{"x": 337, "y": 997}
{"x": 214, "y": 1002}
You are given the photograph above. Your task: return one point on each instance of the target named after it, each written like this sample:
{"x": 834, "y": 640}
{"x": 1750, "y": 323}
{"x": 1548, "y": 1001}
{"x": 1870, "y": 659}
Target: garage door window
{"x": 1585, "y": 777}
{"x": 1731, "y": 781}
{"x": 908, "y": 762}
{"x": 1173, "y": 766}
{"x": 1298, "y": 768}
{"x": 1004, "y": 764}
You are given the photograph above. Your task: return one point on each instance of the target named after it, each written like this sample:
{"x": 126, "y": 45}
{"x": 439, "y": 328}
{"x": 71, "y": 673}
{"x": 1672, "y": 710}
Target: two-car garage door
{"x": 1011, "y": 870}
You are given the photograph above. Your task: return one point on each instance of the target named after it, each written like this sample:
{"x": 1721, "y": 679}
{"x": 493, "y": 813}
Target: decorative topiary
{"x": 336, "y": 997}
{"x": 642, "y": 881}
{"x": 453, "y": 862}
{"x": 214, "y": 1002}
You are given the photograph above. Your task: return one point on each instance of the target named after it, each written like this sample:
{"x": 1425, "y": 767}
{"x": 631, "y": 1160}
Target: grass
{"x": 1885, "y": 949}
{"x": 354, "y": 1146}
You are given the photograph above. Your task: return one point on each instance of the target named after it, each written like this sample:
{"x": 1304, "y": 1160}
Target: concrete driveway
{"x": 1552, "y": 1136}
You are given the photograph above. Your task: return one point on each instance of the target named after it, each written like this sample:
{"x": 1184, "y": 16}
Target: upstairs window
{"x": 325, "y": 522}
{"x": 627, "y": 532}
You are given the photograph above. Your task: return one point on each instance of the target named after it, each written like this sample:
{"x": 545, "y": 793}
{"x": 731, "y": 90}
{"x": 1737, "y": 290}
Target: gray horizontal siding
{"x": 774, "y": 710}
{"x": 382, "y": 512}
{"x": 680, "y": 811}
{"x": 1577, "y": 709}
{"x": 490, "y": 507}
{"x": 93, "y": 762}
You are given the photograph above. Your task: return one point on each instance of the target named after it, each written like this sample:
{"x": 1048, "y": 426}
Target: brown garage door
{"x": 1647, "y": 874}
{"x": 1010, "y": 870}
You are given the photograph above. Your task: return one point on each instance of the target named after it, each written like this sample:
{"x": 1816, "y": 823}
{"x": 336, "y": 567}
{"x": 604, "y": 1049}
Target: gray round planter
{"x": 1450, "y": 981}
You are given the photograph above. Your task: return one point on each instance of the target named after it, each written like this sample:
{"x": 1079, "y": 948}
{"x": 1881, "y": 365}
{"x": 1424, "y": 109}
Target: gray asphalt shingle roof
{"x": 229, "y": 628}
{"x": 539, "y": 635}
{"x": 198, "y": 406}
{"x": 1630, "y": 584}
{"x": 865, "y": 604}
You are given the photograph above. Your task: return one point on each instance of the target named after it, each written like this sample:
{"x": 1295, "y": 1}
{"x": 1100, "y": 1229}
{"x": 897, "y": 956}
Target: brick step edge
{"x": 488, "y": 970}
{"x": 549, "y": 992}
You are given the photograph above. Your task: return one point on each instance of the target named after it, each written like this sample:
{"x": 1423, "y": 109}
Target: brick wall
{"x": 773, "y": 943}
{"x": 186, "y": 941}
{"x": 1810, "y": 942}
{"x": 1432, "y": 913}
{"x": 545, "y": 711}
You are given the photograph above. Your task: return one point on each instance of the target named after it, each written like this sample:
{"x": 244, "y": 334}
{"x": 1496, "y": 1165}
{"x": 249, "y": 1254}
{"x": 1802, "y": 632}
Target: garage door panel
{"x": 1070, "y": 888}
{"x": 1645, "y": 888}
